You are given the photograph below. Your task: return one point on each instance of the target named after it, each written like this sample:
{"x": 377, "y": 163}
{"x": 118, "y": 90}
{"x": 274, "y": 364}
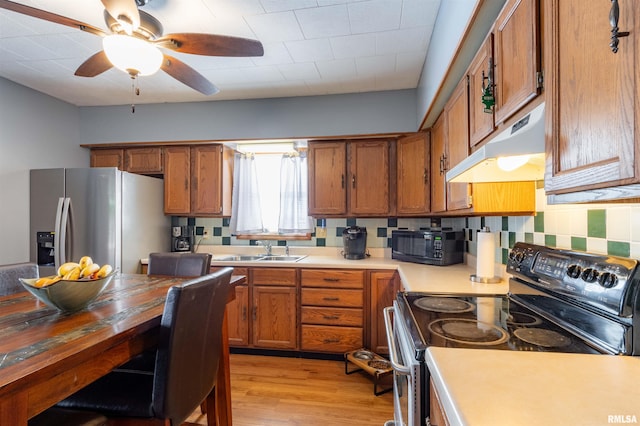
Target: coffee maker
{"x": 182, "y": 238}
{"x": 354, "y": 239}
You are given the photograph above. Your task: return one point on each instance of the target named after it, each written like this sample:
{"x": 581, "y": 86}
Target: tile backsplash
{"x": 600, "y": 228}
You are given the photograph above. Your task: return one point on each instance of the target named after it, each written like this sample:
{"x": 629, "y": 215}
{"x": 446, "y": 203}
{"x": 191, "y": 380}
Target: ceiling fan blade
{"x": 48, "y": 16}
{"x": 96, "y": 64}
{"x": 123, "y": 11}
{"x": 211, "y": 44}
{"x": 187, "y": 75}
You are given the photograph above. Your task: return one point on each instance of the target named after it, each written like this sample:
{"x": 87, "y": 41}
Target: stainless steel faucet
{"x": 267, "y": 246}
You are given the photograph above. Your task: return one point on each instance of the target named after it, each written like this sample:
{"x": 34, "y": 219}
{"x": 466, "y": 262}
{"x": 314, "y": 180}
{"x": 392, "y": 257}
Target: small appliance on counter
{"x": 430, "y": 246}
{"x": 354, "y": 239}
{"x": 182, "y": 238}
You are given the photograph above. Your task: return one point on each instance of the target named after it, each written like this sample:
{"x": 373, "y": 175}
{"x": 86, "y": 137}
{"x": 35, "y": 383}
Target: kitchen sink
{"x": 239, "y": 258}
{"x": 263, "y": 257}
{"x": 281, "y": 258}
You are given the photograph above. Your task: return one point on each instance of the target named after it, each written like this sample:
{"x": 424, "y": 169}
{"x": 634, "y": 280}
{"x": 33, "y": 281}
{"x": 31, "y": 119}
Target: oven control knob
{"x": 590, "y": 275}
{"x": 574, "y": 271}
{"x": 608, "y": 280}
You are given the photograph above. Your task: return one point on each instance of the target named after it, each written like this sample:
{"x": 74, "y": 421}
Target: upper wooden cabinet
{"x": 413, "y": 190}
{"x": 198, "y": 180}
{"x": 135, "y": 160}
{"x": 456, "y": 111}
{"x": 438, "y": 161}
{"x": 349, "y": 178}
{"x": 143, "y": 160}
{"x": 517, "y": 57}
{"x": 481, "y": 76}
{"x": 593, "y": 104}
{"x": 327, "y": 178}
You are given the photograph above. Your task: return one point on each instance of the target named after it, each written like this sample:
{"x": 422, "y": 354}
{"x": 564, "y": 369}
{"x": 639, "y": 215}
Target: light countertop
{"x": 481, "y": 387}
{"x": 414, "y": 277}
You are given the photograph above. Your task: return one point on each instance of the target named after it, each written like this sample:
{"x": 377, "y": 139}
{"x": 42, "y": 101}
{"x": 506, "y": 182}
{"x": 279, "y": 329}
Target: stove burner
{"x": 468, "y": 331}
{"x": 542, "y": 337}
{"x": 443, "y": 304}
{"x": 520, "y": 318}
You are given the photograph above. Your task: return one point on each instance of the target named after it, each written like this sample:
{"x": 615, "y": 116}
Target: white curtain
{"x": 245, "y": 202}
{"x": 294, "y": 217}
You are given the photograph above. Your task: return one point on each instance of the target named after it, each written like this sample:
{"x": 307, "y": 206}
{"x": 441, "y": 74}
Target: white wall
{"x": 36, "y": 131}
{"x": 297, "y": 117}
{"x": 440, "y": 63}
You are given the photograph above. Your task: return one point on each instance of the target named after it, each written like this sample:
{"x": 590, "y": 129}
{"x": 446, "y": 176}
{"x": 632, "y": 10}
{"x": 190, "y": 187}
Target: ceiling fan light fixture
{"x": 132, "y": 55}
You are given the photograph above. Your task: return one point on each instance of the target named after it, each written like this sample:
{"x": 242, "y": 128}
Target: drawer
{"x": 332, "y": 316}
{"x": 340, "y": 298}
{"x": 273, "y": 276}
{"x": 328, "y": 338}
{"x": 332, "y": 278}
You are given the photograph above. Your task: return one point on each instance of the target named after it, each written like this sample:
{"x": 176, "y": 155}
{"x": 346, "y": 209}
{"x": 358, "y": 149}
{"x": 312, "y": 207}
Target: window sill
{"x": 280, "y": 237}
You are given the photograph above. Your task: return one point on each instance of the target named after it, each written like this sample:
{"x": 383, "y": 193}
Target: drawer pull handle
{"x": 331, "y": 299}
{"x": 331, "y": 340}
{"x": 332, "y": 280}
{"x": 331, "y": 317}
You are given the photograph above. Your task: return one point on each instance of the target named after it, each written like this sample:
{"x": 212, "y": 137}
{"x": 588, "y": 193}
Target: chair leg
{"x": 210, "y": 408}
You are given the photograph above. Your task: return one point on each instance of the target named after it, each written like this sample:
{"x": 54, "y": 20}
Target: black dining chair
{"x": 9, "y": 275}
{"x": 179, "y": 264}
{"x": 186, "y": 364}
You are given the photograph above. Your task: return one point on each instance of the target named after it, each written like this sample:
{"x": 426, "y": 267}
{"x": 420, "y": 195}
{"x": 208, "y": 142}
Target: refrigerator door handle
{"x": 57, "y": 246}
{"x": 64, "y": 224}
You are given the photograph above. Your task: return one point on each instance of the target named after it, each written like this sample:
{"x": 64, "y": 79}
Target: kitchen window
{"x": 270, "y": 192}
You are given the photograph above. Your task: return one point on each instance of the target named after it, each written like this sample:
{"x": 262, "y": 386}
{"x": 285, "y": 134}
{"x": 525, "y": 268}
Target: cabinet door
{"x": 517, "y": 53}
{"x": 594, "y": 116}
{"x": 206, "y": 179}
{"x": 368, "y": 181}
{"x": 177, "y": 180}
{"x": 107, "y": 158}
{"x": 438, "y": 159}
{"x": 457, "y": 146}
{"x": 481, "y": 74}
{"x": 274, "y": 317}
{"x": 327, "y": 178}
{"x": 384, "y": 285}
{"x": 413, "y": 190}
{"x": 143, "y": 160}
{"x": 238, "y": 314}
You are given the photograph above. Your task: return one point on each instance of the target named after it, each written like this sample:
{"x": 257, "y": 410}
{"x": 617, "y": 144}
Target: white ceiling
{"x": 312, "y": 47}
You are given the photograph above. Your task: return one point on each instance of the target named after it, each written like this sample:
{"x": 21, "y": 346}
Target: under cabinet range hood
{"x": 515, "y": 154}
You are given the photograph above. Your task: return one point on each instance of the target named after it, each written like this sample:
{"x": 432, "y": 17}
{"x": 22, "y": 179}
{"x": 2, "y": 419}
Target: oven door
{"x": 408, "y": 398}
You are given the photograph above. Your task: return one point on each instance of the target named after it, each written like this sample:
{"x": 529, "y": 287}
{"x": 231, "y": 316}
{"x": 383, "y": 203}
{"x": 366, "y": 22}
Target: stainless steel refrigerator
{"x": 113, "y": 216}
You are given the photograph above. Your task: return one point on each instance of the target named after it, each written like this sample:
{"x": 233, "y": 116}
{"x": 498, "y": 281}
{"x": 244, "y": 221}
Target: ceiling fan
{"x": 135, "y": 39}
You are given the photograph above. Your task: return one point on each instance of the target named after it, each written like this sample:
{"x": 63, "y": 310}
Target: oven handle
{"x": 393, "y": 350}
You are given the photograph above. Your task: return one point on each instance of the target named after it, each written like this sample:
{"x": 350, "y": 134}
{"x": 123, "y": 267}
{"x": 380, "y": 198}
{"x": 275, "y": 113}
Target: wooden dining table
{"x": 46, "y": 355}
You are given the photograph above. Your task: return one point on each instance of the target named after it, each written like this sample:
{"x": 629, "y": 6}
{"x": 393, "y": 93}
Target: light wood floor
{"x": 268, "y": 391}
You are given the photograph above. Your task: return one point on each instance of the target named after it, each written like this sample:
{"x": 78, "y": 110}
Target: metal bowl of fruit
{"x": 73, "y": 288}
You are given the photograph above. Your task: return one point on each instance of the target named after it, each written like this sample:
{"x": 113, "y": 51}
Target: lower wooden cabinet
{"x": 330, "y": 310}
{"x": 264, "y": 314}
{"x": 383, "y": 286}
{"x": 437, "y": 416}
{"x": 332, "y": 306}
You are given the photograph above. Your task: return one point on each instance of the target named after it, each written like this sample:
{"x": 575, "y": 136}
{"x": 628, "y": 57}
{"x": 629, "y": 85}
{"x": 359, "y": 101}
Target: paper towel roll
{"x": 486, "y": 254}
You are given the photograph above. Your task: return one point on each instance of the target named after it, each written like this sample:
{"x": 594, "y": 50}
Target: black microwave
{"x": 431, "y": 247}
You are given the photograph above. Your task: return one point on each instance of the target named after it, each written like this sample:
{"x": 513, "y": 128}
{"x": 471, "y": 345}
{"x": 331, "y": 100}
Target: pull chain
{"x": 135, "y": 91}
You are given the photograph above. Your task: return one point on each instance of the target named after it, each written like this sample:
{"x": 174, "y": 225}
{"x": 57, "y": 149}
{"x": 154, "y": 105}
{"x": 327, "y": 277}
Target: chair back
{"x": 189, "y": 349}
{"x": 179, "y": 264}
{"x": 9, "y": 275}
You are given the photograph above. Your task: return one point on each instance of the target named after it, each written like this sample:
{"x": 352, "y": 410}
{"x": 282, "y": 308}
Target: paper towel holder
{"x": 485, "y": 280}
